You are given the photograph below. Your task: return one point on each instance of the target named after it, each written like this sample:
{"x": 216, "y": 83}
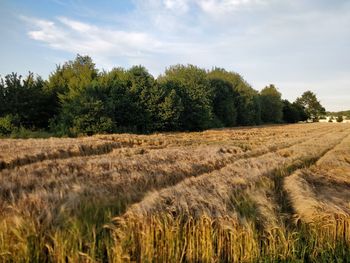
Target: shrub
{"x": 8, "y": 124}
{"x": 23, "y": 133}
{"x": 340, "y": 118}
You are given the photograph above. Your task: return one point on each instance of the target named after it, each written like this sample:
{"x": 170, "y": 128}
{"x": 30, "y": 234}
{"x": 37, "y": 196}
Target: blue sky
{"x": 297, "y": 45}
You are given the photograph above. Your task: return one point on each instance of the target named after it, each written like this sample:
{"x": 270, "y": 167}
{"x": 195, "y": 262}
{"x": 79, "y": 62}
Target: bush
{"x": 89, "y": 125}
{"x": 340, "y": 118}
{"x": 23, "y": 133}
{"x": 8, "y": 124}
{"x": 10, "y": 127}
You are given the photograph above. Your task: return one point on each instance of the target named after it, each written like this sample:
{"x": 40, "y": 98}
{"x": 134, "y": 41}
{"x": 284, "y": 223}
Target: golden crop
{"x": 252, "y": 194}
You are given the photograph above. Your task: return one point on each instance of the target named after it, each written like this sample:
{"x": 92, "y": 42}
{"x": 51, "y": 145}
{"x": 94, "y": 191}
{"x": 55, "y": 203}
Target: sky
{"x": 296, "y": 45}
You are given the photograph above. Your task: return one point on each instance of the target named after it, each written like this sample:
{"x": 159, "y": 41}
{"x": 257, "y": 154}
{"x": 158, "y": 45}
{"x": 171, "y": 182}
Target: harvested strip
{"x": 21, "y": 152}
{"x": 323, "y": 189}
{"x": 50, "y": 150}
{"x": 115, "y": 176}
{"x": 210, "y": 194}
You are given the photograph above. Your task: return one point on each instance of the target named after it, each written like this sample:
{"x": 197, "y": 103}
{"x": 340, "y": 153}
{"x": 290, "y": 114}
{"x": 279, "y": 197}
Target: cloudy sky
{"x": 297, "y": 45}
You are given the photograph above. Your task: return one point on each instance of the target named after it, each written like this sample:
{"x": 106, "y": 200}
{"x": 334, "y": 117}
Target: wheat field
{"x": 254, "y": 194}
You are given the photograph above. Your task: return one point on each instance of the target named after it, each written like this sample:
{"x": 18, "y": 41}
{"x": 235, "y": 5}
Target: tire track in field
{"x": 136, "y": 191}
{"x": 133, "y": 192}
{"x": 284, "y": 211}
{"x": 164, "y": 198}
{"x": 81, "y": 150}
{"x": 300, "y": 170}
{"x": 160, "y": 179}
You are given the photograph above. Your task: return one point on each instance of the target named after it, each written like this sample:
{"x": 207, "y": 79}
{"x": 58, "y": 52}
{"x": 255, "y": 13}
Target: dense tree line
{"x": 78, "y": 99}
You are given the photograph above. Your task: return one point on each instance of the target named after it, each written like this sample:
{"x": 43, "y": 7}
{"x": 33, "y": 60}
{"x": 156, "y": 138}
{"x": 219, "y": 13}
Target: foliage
{"x": 223, "y": 102}
{"x": 8, "y": 124}
{"x": 191, "y": 83}
{"x": 271, "y": 105}
{"x": 79, "y": 99}
{"x": 293, "y": 112}
{"x": 246, "y": 99}
{"x": 118, "y": 99}
{"x": 224, "y": 98}
{"x": 312, "y": 106}
{"x": 26, "y": 99}
{"x": 68, "y": 81}
{"x": 90, "y": 117}
{"x": 23, "y": 133}
{"x": 67, "y": 87}
{"x": 141, "y": 85}
{"x": 167, "y": 107}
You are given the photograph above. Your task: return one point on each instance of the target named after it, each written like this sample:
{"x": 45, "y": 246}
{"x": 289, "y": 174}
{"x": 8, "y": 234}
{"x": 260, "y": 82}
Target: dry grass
{"x": 323, "y": 189}
{"x": 219, "y": 195}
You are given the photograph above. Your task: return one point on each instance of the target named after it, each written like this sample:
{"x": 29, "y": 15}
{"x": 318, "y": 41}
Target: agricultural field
{"x": 254, "y": 194}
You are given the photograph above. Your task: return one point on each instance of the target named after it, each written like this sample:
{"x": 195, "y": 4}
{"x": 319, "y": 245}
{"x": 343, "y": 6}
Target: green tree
{"x": 293, "y": 112}
{"x": 271, "y": 105}
{"x": 25, "y": 98}
{"x": 78, "y": 99}
{"x": 69, "y": 80}
{"x": 86, "y": 114}
{"x": 66, "y": 86}
{"x": 168, "y": 107}
{"x": 8, "y": 124}
{"x": 118, "y": 100}
{"x": 224, "y": 107}
{"x": 141, "y": 87}
{"x": 311, "y": 105}
{"x": 193, "y": 87}
{"x": 246, "y": 99}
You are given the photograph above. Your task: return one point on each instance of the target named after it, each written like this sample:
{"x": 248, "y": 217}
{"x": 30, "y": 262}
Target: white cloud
{"x": 220, "y": 7}
{"x": 76, "y": 25}
{"x": 268, "y": 41}
{"x": 177, "y": 5}
{"x": 78, "y": 37}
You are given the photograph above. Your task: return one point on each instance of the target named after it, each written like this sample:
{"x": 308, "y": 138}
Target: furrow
{"x": 57, "y": 154}
{"x": 119, "y": 179}
{"x": 323, "y": 187}
{"x": 211, "y": 193}
{"x": 53, "y": 149}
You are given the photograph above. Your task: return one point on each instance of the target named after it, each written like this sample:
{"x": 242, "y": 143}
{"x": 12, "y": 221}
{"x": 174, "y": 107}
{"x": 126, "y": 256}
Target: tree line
{"x": 78, "y": 99}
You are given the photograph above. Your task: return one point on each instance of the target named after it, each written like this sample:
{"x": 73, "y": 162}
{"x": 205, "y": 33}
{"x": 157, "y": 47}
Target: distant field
{"x": 274, "y": 193}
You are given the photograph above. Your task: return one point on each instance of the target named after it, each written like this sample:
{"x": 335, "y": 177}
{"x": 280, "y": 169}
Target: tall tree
{"x": 88, "y": 113}
{"x": 223, "y": 102}
{"x": 271, "y": 105}
{"x": 311, "y": 105}
{"x": 192, "y": 85}
{"x": 141, "y": 85}
{"x": 69, "y": 79}
{"x": 26, "y": 99}
{"x": 66, "y": 86}
{"x": 116, "y": 85}
{"x": 224, "y": 99}
{"x": 167, "y": 107}
{"x": 293, "y": 112}
{"x": 246, "y": 100}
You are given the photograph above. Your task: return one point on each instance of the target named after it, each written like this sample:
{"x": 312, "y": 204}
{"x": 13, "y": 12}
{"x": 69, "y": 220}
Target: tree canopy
{"x": 271, "y": 105}
{"x": 311, "y": 105}
{"x": 79, "y": 99}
